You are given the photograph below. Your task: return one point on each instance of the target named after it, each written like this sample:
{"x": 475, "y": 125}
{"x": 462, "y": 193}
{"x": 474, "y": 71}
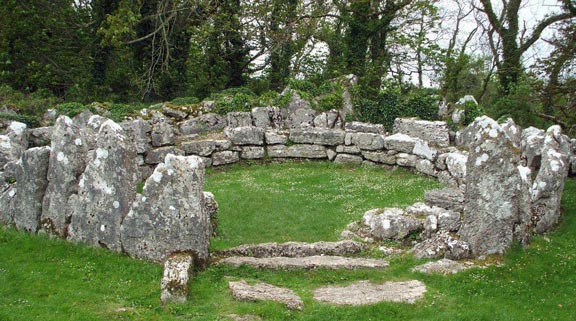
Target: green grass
{"x": 45, "y": 279}
{"x": 306, "y": 202}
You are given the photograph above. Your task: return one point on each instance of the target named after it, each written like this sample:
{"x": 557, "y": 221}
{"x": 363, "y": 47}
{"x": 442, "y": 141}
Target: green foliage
{"x": 521, "y": 104}
{"x": 27, "y": 108}
{"x": 471, "y": 112}
{"x": 329, "y": 101}
{"x": 183, "y": 101}
{"x": 391, "y": 103}
{"x": 70, "y": 109}
{"x": 233, "y": 100}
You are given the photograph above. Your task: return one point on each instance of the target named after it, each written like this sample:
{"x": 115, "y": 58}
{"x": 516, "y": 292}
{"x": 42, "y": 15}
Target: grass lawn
{"x": 44, "y": 279}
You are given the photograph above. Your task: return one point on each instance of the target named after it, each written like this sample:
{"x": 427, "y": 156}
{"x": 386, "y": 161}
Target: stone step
{"x": 364, "y": 293}
{"x": 309, "y": 262}
{"x": 265, "y": 292}
{"x": 295, "y": 249}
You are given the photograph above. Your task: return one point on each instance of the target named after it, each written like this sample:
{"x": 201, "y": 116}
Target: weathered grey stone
{"x": 297, "y": 151}
{"x": 364, "y": 293}
{"x": 162, "y": 132}
{"x": 296, "y": 249}
{"x": 91, "y": 130}
{"x": 446, "y": 220}
{"x": 137, "y": 130}
{"x": 18, "y": 133}
{"x": 67, "y": 162}
{"x": 267, "y": 117}
{"x": 31, "y": 184}
{"x": 222, "y": 144}
{"x": 458, "y": 116}
{"x": 348, "y": 159}
{"x": 425, "y": 166}
{"x": 40, "y": 136}
{"x": 513, "y": 131}
{"x": 199, "y": 147}
{"x": 400, "y": 142}
{"x": 265, "y": 292}
{"x": 531, "y": 146}
{"x": 9, "y": 150}
{"x": 275, "y": 138}
{"x": 440, "y": 162}
{"x": 301, "y": 118}
{"x": 422, "y": 149}
{"x": 331, "y": 154}
{"x": 347, "y": 82}
{"x": 249, "y": 135}
{"x": 177, "y": 271}
{"x": 390, "y": 223}
{"x": 211, "y": 209}
{"x": 156, "y": 156}
{"x": 308, "y": 262}
{"x": 573, "y": 157}
{"x": 81, "y": 120}
{"x": 406, "y": 160}
{"x": 176, "y": 114}
{"x": 7, "y": 209}
{"x": 106, "y": 190}
{"x": 492, "y": 182}
{"x": 443, "y": 266}
{"x": 441, "y": 245}
{"x": 317, "y": 136}
{"x": 170, "y": 214}
{"x": 365, "y": 141}
{"x": 447, "y": 198}
{"x": 348, "y": 149}
{"x": 202, "y": 124}
{"x": 225, "y": 157}
{"x": 239, "y": 119}
{"x": 380, "y": 157}
{"x": 252, "y": 152}
{"x": 360, "y": 127}
{"x": 330, "y": 119}
{"x": 445, "y": 178}
{"x": 549, "y": 182}
{"x": 456, "y": 164}
{"x": 434, "y": 132}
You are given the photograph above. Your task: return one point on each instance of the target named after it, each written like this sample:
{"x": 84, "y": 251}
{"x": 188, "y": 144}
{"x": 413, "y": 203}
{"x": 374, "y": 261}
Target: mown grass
{"x": 44, "y": 279}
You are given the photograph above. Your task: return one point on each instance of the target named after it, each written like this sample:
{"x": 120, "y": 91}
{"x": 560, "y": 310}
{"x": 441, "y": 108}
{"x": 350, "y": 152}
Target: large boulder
{"x": 239, "y": 119}
{"x": 549, "y": 183}
{"x": 267, "y": 117}
{"x": 67, "y": 162}
{"x": 106, "y": 190}
{"x": 365, "y": 141}
{"x": 137, "y": 130}
{"x": 13, "y": 143}
{"x": 170, "y": 215}
{"x": 400, "y": 142}
{"x": 434, "y": 132}
{"x": 31, "y": 184}
{"x": 248, "y": 135}
{"x": 491, "y": 208}
{"x": 206, "y": 123}
{"x": 391, "y": 223}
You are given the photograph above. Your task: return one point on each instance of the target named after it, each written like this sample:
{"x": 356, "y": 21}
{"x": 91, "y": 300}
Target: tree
{"x": 505, "y": 29}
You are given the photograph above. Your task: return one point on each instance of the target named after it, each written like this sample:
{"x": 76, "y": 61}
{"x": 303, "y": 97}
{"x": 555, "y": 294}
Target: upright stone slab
{"x": 106, "y": 190}
{"x": 549, "y": 183}
{"x": 492, "y": 189}
{"x": 170, "y": 214}
{"x": 177, "y": 271}
{"x": 31, "y": 183}
{"x": 67, "y": 162}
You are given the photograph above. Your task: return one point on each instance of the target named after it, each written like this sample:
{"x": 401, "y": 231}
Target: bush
{"x": 70, "y": 109}
{"x": 471, "y": 112}
{"x": 183, "y": 101}
{"x": 239, "y": 102}
{"x": 329, "y": 101}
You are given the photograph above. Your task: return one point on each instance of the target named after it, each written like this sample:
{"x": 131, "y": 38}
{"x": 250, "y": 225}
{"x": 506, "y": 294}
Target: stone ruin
{"x": 137, "y": 187}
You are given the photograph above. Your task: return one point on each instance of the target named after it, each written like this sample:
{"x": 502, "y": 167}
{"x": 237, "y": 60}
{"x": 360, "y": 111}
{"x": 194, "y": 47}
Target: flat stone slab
{"x": 309, "y": 262}
{"x": 265, "y": 292}
{"x": 364, "y": 293}
{"x": 295, "y": 249}
{"x": 444, "y": 266}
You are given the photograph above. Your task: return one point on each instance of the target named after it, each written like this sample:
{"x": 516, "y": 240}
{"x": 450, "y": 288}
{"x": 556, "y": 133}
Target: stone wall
{"x": 84, "y": 185}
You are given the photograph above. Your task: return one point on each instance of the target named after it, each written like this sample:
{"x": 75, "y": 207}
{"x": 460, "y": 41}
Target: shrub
{"x": 183, "y": 101}
{"x": 70, "y": 109}
{"x": 471, "y": 112}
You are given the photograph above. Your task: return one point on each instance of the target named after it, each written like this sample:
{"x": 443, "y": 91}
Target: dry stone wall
{"x": 503, "y": 183}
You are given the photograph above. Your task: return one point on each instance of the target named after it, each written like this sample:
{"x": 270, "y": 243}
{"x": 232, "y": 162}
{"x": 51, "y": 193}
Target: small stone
{"x": 348, "y": 159}
{"x": 177, "y": 272}
{"x": 443, "y": 266}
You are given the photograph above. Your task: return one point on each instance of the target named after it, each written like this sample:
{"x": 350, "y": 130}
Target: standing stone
{"x": 177, "y": 271}
{"x": 67, "y": 162}
{"x": 31, "y": 184}
{"x": 7, "y": 197}
{"x": 531, "y": 145}
{"x": 170, "y": 216}
{"x": 106, "y": 190}
{"x": 491, "y": 197}
{"x": 549, "y": 183}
